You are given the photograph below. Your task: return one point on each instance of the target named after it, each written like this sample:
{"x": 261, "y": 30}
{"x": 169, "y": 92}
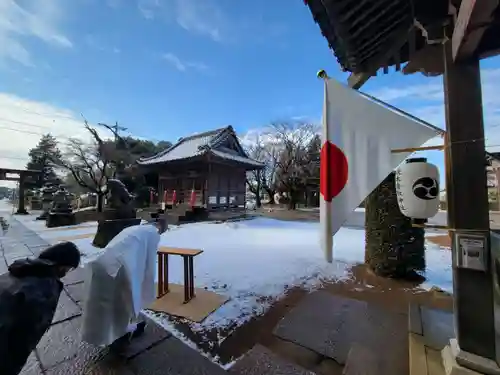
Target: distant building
{"x": 492, "y": 181}
{"x": 493, "y": 176}
{"x": 213, "y": 164}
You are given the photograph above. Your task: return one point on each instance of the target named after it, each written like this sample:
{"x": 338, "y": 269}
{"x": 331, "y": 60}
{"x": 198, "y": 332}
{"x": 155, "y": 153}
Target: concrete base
{"x": 64, "y": 219}
{"x": 458, "y": 362}
{"x": 43, "y": 216}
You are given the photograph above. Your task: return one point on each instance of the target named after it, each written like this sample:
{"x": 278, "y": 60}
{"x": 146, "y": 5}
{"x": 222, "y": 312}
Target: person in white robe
{"x": 119, "y": 284}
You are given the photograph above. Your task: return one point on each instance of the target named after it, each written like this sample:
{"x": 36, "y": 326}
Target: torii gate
{"x": 22, "y": 176}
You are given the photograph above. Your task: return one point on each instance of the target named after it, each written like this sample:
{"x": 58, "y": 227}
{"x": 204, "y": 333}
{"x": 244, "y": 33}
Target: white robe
{"x": 119, "y": 283}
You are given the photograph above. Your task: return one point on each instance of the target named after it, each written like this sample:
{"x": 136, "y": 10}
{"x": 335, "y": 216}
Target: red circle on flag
{"x": 334, "y": 171}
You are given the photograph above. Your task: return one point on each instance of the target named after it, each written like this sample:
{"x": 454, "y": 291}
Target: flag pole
{"x": 326, "y": 209}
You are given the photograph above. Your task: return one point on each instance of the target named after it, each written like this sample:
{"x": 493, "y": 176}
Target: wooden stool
{"x": 188, "y": 256}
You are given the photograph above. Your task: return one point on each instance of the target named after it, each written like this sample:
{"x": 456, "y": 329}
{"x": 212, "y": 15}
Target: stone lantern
{"x": 61, "y": 213}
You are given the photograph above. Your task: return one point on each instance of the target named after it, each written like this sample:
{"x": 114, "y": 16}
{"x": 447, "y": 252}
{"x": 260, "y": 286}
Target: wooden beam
{"x": 472, "y": 21}
{"x": 356, "y": 80}
{"x": 21, "y": 209}
{"x": 415, "y": 149}
{"x": 19, "y": 171}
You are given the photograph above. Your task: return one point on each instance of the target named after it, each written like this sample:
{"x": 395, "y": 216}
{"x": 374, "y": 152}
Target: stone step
{"x": 175, "y": 218}
{"x": 261, "y": 361}
{"x": 363, "y": 361}
{"x": 335, "y": 324}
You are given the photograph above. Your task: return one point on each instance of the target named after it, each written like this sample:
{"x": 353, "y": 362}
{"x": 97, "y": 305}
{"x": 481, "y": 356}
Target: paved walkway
{"x": 61, "y": 352}
{"x": 322, "y": 323}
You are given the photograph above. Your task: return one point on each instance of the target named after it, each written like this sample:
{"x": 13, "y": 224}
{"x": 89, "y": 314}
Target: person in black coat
{"x": 29, "y": 294}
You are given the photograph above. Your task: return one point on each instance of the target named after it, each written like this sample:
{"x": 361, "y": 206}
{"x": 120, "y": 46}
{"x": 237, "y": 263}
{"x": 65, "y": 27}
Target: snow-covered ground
{"x": 257, "y": 260}
{"x": 5, "y": 207}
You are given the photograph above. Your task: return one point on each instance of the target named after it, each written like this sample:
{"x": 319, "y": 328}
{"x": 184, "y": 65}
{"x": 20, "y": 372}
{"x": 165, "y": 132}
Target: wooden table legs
{"x": 188, "y": 279}
{"x": 188, "y": 276}
{"x": 162, "y": 275}
{"x": 191, "y": 276}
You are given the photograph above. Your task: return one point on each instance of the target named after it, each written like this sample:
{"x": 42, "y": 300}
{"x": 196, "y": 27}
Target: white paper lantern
{"x": 417, "y": 188}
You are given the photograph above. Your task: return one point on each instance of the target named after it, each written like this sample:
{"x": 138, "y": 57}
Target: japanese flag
{"x": 358, "y": 136}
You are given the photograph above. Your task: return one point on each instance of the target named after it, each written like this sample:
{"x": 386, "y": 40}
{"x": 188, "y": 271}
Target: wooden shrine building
{"x": 206, "y": 170}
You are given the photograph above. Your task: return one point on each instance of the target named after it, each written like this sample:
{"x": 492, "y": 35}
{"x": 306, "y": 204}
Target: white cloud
{"x": 202, "y": 17}
{"x": 207, "y": 18}
{"x": 98, "y": 44}
{"x": 426, "y": 101}
{"x": 182, "y": 65}
{"x": 431, "y": 103}
{"x": 148, "y": 8}
{"x": 35, "y": 19}
{"x": 23, "y": 121}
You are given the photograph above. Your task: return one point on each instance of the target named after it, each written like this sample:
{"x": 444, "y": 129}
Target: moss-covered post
{"x": 393, "y": 247}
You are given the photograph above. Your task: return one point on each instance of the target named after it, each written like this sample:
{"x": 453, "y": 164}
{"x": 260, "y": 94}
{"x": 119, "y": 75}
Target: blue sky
{"x": 181, "y": 66}
{"x": 168, "y": 68}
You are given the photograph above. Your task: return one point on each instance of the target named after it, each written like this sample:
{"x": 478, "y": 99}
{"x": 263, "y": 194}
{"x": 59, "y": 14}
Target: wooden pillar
{"x": 208, "y": 184}
{"x": 21, "y": 210}
{"x": 468, "y": 211}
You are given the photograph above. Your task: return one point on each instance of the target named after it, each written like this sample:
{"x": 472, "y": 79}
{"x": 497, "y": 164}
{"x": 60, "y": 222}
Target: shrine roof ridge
{"x": 200, "y": 144}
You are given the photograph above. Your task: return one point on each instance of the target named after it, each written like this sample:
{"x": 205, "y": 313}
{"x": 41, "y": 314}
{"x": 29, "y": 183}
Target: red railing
{"x": 192, "y": 197}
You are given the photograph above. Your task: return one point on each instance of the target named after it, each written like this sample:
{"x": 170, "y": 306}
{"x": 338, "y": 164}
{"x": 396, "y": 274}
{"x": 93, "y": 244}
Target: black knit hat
{"x": 62, "y": 254}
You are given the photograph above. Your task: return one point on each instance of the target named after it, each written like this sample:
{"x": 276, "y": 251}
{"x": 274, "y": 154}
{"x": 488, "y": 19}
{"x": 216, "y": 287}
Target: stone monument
{"x": 61, "y": 214}
{"x": 47, "y": 197}
{"x": 119, "y": 214}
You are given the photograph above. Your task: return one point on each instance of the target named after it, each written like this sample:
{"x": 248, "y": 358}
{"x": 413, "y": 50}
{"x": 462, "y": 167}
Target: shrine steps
{"x": 184, "y": 213}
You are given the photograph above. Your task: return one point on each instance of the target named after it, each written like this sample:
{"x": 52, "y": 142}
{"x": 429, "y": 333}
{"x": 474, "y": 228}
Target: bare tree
{"x": 119, "y": 151}
{"x": 90, "y": 164}
{"x": 263, "y": 148}
{"x": 269, "y": 173}
{"x": 255, "y": 178}
{"x": 291, "y": 141}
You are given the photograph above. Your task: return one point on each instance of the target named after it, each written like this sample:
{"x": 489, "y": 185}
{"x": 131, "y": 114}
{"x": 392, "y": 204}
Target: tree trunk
{"x": 100, "y": 202}
{"x": 393, "y": 247}
{"x": 292, "y": 200}
{"x": 258, "y": 202}
{"x": 306, "y": 198}
{"x": 270, "y": 193}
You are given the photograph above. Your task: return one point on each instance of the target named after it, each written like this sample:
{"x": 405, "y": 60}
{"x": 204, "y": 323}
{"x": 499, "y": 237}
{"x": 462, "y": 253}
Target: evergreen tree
{"x": 42, "y": 157}
{"x": 394, "y": 248}
{"x": 5, "y": 192}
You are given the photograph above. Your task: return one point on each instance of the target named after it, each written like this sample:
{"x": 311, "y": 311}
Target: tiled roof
{"x": 493, "y": 155}
{"x": 238, "y": 158}
{"x": 196, "y": 145}
{"x": 185, "y": 148}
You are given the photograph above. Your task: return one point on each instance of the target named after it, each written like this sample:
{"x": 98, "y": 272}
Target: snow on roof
{"x": 237, "y": 158}
{"x": 199, "y": 144}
